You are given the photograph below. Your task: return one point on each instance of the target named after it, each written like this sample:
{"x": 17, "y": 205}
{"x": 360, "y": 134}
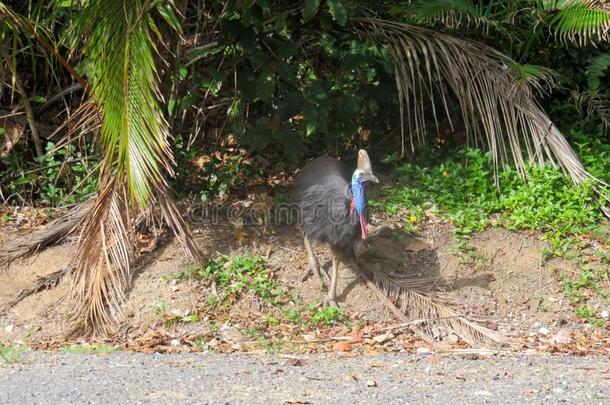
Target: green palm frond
{"x": 596, "y": 69}
{"x": 579, "y": 21}
{"x": 499, "y": 110}
{"x": 125, "y": 85}
{"x": 540, "y": 78}
{"x": 134, "y": 137}
{"x": 455, "y": 13}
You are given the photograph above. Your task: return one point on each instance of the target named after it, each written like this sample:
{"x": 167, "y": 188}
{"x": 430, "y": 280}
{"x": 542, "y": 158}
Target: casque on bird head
{"x": 362, "y": 175}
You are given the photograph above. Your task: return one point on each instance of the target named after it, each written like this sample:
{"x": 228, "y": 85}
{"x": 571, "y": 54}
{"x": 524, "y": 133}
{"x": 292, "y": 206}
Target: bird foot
{"x": 317, "y": 273}
{"x": 331, "y": 302}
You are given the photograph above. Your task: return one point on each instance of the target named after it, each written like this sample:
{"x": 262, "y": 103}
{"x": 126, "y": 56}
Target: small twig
{"x": 29, "y": 113}
{"x": 287, "y": 249}
{"x": 210, "y": 45}
{"x": 482, "y": 352}
{"x": 415, "y": 322}
{"x": 52, "y": 100}
{"x": 11, "y": 115}
{"x": 314, "y": 378}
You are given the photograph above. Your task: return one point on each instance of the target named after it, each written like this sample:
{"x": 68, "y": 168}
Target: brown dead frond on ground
{"x": 103, "y": 262}
{"x": 426, "y": 316}
{"x": 50, "y": 234}
{"x": 107, "y": 255}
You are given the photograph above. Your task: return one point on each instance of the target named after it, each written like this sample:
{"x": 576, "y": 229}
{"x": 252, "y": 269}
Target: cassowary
{"x": 331, "y": 206}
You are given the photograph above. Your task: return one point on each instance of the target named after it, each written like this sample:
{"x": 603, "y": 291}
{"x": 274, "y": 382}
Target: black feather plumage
{"x": 322, "y": 193}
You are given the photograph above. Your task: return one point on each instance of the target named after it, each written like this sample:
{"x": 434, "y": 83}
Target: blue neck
{"x": 358, "y": 196}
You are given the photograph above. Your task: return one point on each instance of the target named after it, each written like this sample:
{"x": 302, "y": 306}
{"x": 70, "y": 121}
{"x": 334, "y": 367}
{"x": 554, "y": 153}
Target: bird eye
{"x": 360, "y": 174}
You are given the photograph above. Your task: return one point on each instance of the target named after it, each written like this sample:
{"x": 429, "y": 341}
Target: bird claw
{"x": 331, "y": 302}
{"x": 318, "y": 276}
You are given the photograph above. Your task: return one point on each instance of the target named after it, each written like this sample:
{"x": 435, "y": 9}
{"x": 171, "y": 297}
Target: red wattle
{"x": 363, "y": 227}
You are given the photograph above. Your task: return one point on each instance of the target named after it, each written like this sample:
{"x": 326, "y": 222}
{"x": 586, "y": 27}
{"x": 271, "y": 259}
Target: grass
{"x": 263, "y": 341}
{"x": 11, "y": 354}
{"x": 174, "y": 320}
{"x": 461, "y": 189}
{"x": 159, "y": 309}
{"x": 85, "y": 348}
{"x": 249, "y": 274}
{"x": 304, "y": 317}
{"x": 326, "y": 315}
{"x": 235, "y": 276}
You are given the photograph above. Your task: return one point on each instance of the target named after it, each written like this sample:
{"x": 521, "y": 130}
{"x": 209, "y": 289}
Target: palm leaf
{"x": 579, "y": 21}
{"x": 454, "y": 13}
{"x": 125, "y": 84}
{"x": 591, "y": 104}
{"x": 499, "y": 110}
{"x": 424, "y": 314}
{"x": 134, "y": 139}
{"x": 52, "y": 233}
{"x": 596, "y": 69}
{"x": 103, "y": 260}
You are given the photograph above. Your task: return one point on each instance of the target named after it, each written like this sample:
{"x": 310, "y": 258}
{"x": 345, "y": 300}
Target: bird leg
{"x": 331, "y": 299}
{"x": 314, "y": 265}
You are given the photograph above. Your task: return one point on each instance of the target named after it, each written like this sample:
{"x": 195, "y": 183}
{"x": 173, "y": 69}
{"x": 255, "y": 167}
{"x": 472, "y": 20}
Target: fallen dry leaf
{"x": 342, "y": 347}
{"x": 295, "y": 362}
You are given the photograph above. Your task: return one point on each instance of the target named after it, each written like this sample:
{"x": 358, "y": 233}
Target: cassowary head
{"x": 362, "y": 175}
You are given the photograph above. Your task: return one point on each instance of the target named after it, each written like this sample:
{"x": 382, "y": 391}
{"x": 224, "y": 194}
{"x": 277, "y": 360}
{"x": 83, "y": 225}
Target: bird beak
{"x": 369, "y": 177}
{"x": 364, "y": 164}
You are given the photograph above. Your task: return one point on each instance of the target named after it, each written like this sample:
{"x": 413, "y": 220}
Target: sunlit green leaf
{"x": 182, "y": 72}
{"x": 338, "y": 11}
{"x": 38, "y": 99}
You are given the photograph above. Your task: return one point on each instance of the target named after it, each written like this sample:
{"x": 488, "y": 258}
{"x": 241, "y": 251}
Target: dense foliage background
{"x": 116, "y": 105}
{"x": 251, "y": 87}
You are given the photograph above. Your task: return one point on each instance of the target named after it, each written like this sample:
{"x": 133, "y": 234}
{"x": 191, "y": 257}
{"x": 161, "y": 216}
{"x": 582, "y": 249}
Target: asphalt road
{"x": 121, "y": 378}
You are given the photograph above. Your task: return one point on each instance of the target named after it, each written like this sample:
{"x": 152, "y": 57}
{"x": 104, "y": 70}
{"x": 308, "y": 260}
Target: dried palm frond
{"x": 499, "y": 111}
{"x": 591, "y": 105}
{"x": 52, "y": 233}
{"x": 103, "y": 261}
{"x": 425, "y": 315}
{"x": 175, "y": 221}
